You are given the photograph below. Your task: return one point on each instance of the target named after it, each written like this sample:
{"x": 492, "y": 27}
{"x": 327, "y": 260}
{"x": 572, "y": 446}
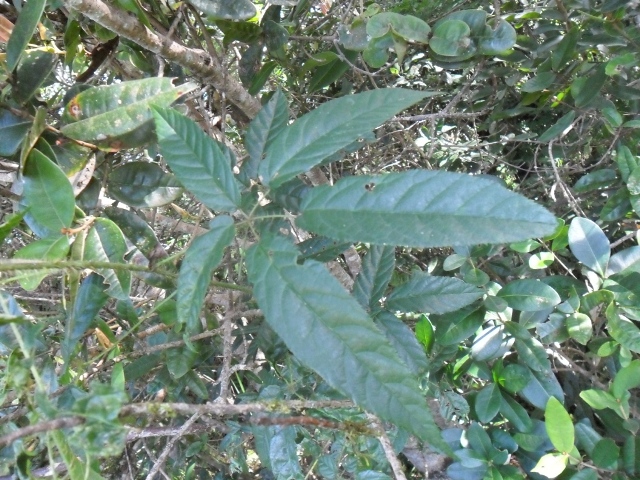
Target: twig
{"x": 383, "y": 438}
{"x": 169, "y": 446}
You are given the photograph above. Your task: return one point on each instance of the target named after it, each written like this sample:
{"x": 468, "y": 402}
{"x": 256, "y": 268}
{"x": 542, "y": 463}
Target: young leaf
{"x": 105, "y": 243}
{"x": 529, "y": 295}
{"x": 48, "y": 195}
{"x": 375, "y": 274}
{"x": 23, "y": 31}
{"x": 422, "y": 208}
{"x": 49, "y": 248}
{"x": 488, "y": 403}
{"x": 202, "y": 257}
{"x": 589, "y": 244}
{"x": 551, "y": 465}
{"x": 427, "y": 294}
{"x": 90, "y": 299}
{"x": 404, "y": 341}
{"x": 200, "y": 163}
{"x": 313, "y": 314}
{"x": 329, "y": 128}
{"x": 267, "y": 125}
{"x": 425, "y": 333}
{"x": 559, "y": 426}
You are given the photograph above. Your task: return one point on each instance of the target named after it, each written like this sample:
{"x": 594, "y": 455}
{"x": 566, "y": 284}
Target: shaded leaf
{"x": 497, "y": 39}
{"x": 329, "y": 128}
{"x": 515, "y": 413}
{"x": 410, "y": 28}
{"x": 404, "y": 341}
{"x": 23, "y": 31}
{"x": 27, "y": 84}
{"x": 451, "y": 38}
{"x": 435, "y": 208}
{"x": 561, "y": 127}
{"x": 602, "y": 178}
{"x": 201, "y": 164}
{"x": 226, "y": 9}
{"x": 375, "y": 274}
{"x": 143, "y": 185}
{"x": 541, "y": 387}
{"x": 488, "y": 403}
{"x": 105, "y": 243}
{"x": 589, "y": 244}
{"x": 453, "y": 328}
{"x": 529, "y": 295}
{"x": 48, "y": 248}
{"x": 12, "y": 131}
{"x": 202, "y": 257}
{"x": 47, "y": 195}
{"x": 283, "y": 455}
{"x": 322, "y": 249}
{"x": 313, "y": 314}
{"x": 427, "y": 294}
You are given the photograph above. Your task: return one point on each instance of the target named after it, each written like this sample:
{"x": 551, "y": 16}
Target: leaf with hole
{"x": 201, "y": 164}
{"x": 434, "y": 208}
{"x": 143, "y": 185}
{"x": 202, "y": 257}
{"x": 313, "y": 314}
{"x": 329, "y": 128}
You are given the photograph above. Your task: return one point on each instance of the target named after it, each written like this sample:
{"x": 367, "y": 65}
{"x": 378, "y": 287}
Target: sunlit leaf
{"x": 559, "y": 426}
{"x": 48, "y": 248}
{"x": 23, "y": 31}
{"x": 589, "y": 244}
{"x": 529, "y": 295}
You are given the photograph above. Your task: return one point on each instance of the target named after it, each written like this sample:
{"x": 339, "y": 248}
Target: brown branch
{"x": 47, "y": 426}
{"x": 197, "y": 61}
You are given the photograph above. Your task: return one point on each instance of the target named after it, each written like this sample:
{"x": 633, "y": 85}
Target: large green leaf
{"x": 90, "y": 299}
{"x": 13, "y": 129}
{"x": 283, "y": 455}
{"x": 428, "y": 294}
{"x": 627, "y": 378}
{"x": 201, "y": 164}
{"x": 422, "y": 209}
{"x": 541, "y": 387}
{"x": 451, "y": 39}
{"x": 138, "y": 232}
{"x": 105, "y": 243}
{"x": 589, "y": 244}
{"x": 329, "y": 128}
{"x": 623, "y": 330}
{"x": 118, "y": 116}
{"x": 404, "y": 341}
{"x": 48, "y": 195}
{"x": 375, "y": 274}
{"x": 309, "y": 309}
{"x": 143, "y": 185}
{"x": 23, "y": 31}
{"x": 27, "y": 84}
{"x": 411, "y": 28}
{"x": 559, "y": 426}
{"x": 497, "y": 39}
{"x": 48, "y": 248}
{"x": 226, "y": 9}
{"x": 202, "y": 257}
{"x": 268, "y": 124}
{"x": 529, "y": 295}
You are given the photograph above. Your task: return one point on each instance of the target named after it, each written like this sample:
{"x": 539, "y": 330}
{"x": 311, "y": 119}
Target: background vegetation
{"x": 315, "y": 239}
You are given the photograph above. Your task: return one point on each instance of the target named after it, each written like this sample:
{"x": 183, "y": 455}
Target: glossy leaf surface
{"x": 529, "y": 295}
{"x": 422, "y": 209}
{"x": 23, "y": 31}
{"x": 143, "y": 185}
{"x": 201, "y": 164}
{"x": 589, "y": 244}
{"x": 327, "y": 129}
{"x": 311, "y": 312}
{"x": 202, "y": 257}
{"x": 429, "y": 294}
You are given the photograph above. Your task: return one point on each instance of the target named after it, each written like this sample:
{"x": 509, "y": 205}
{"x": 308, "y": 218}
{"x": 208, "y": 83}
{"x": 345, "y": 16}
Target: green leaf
{"x": 497, "y": 39}
{"x": 13, "y": 129}
{"x": 427, "y": 294}
{"x": 566, "y": 49}
{"x": 201, "y": 164}
{"x": 23, "y": 31}
{"x": 540, "y": 82}
{"x": 589, "y": 244}
{"x": 226, "y": 9}
{"x": 541, "y": 387}
{"x": 451, "y": 39}
{"x": 529, "y": 295}
{"x": 561, "y": 127}
{"x": 105, "y": 243}
{"x": 490, "y": 343}
{"x": 202, "y": 257}
{"x": 375, "y": 275}
{"x": 47, "y": 195}
{"x": 377, "y": 52}
{"x": 626, "y": 161}
{"x": 425, "y": 333}
{"x": 452, "y": 328}
{"x": 138, "y": 232}
{"x": 322, "y": 249}
{"x": 118, "y": 116}
{"x": 475, "y": 19}
{"x": 332, "y": 71}
{"x": 266, "y": 126}
{"x": 559, "y": 426}
{"x": 514, "y": 377}
{"x": 631, "y": 455}
{"x": 143, "y": 185}
{"x": 27, "y": 84}
{"x": 606, "y": 454}
{"x": 410, "y": 28}
{"x": 633, "y": 182}
{"x": 551, "y": 465}
{"x": 422, "y": 208}
{"x": 10, "y": 222}
{"x": 515, "y": 413}
{"x": 584, "y": 90}
{"x": 313, "y": 314}
{"x": 404, "y": 341}
{"x": 329, "y": 128}
{"x": 623, "y": 330}
{"x": 354, "y": 37}
{"x": 488, "y": 403}
{"x": 628, "y": 377}
{"x": 283, "y": 455}
{"x": 181, "y": 360}
{"x": 579, "y": 327}
{"x": 48, "y": 248}
{"x": 599, "y": 399}
{"x": 595, "y": 180}
{"x": 90, "y": 299}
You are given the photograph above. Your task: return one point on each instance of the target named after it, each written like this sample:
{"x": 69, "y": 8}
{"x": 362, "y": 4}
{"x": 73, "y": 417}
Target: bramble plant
{"x": 407, "y": 257}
